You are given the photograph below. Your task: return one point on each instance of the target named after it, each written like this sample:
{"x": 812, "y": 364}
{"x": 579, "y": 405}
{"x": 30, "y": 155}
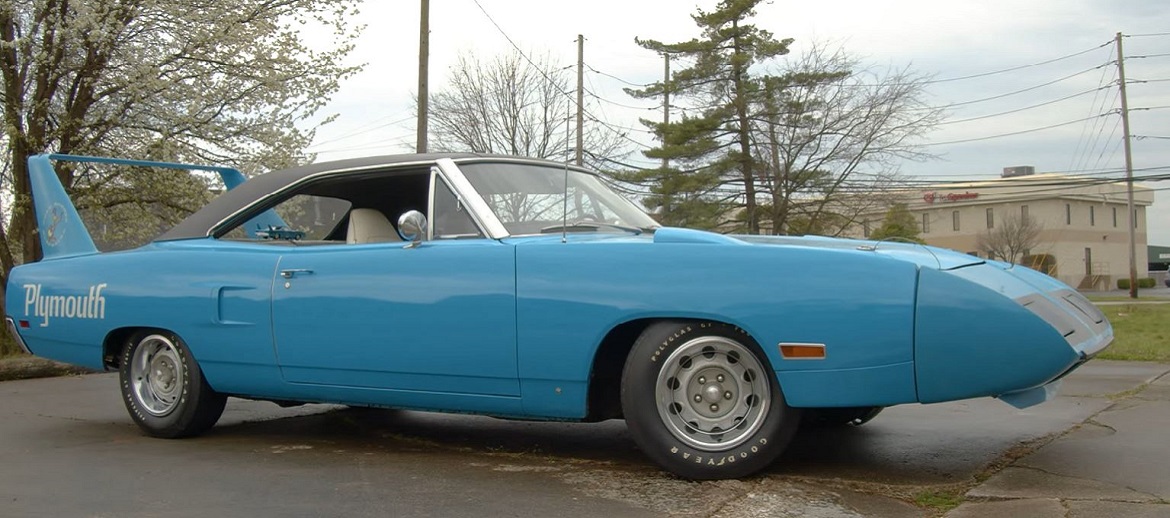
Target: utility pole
{"x": 424, "y": 43}
{"x": 1133, "y": 288}
{"x": 665, "y": 100}
{"x": 580, "y": 100}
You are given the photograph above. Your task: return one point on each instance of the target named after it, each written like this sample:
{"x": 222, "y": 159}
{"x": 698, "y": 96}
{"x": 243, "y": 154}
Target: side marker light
{"x": 802, "y": 351}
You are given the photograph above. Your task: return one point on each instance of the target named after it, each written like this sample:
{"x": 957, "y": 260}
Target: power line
{"x": 361, "y": 131}
{"x": 604, "y": 100}
{"x": 1146, "y": 35}
{"x": 619, "y": 126}
{"x": 1020, "y": 67}
{"x": 1077, "y": 153}
{"x": 1116, "y": 144}
{"x": 1028, "y": 89}
{"x": 639, "y": 85}
{"x": 989, "y": 137}
{"x": 546, "y": 77}
{"x": 1017, "y": 110}
{"x": 521, "y": 52}
{"x": 1097, "y": 128}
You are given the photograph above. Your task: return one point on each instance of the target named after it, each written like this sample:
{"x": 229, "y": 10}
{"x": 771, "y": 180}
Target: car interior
{"x": 359, "y": 209}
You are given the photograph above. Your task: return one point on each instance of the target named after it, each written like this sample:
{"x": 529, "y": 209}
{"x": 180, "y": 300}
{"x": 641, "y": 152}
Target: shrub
{"x": 1144, "y": 282}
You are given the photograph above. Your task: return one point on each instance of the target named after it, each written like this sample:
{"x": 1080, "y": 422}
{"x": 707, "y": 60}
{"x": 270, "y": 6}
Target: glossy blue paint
{"x": 691, "y": 236}
{"x": 51, "y": 192}
{"x": 61, "y": 230}
{"x": 885, "y": 385}
{"x": 512, "y": 326}
{"x": 973, "y": 340}
{"x": 437, "y": 318}
{"x": 592, "y": 285}
{"x": 231, "y": 176}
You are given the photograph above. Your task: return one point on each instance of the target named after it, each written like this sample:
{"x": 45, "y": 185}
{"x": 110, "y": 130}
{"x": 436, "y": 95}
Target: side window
{"x": 307, "y": 218}
{"x": 451, "y": 220}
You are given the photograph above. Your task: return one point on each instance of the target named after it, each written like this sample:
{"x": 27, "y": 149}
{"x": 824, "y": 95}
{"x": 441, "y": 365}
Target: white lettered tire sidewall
{"x": 195, "y": 406}
{"x": 749, "y": 454}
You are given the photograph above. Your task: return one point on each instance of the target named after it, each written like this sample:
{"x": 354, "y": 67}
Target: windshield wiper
{"x": 588, "y": 225}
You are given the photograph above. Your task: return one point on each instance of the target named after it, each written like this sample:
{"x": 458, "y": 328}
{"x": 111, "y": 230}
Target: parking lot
{"x": 69, "y": 449}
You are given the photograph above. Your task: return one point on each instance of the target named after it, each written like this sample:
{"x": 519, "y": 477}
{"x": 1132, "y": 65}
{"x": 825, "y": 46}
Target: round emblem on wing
{"x": 54, "y": 220}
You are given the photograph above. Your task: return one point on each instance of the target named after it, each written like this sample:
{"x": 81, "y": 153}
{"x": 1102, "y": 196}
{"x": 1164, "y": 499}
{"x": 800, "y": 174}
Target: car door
{"x": 438, "y": 317}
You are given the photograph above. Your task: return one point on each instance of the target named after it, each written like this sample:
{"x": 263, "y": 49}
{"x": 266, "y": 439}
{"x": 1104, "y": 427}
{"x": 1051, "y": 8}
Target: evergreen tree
{"x": 898, "y": 225}
{"x": 713, "y": 148}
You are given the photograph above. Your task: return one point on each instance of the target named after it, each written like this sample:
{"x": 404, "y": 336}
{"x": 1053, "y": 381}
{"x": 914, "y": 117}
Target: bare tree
{"x": 512, "y": 106}
{"x": 221, "y": 82}
{"x": 1012, "y": 239}
{"x": 832, "y": 133}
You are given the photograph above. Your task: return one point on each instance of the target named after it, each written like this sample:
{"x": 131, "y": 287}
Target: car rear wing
{"x": 62, "y": 232}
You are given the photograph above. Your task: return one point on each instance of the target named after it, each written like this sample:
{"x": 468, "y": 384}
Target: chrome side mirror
{"x": 412, "y": 226}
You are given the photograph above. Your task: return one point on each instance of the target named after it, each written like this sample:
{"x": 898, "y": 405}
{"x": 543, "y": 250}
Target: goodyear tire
{"x": 701, "y": 400}
{"x": 163, "y": 388}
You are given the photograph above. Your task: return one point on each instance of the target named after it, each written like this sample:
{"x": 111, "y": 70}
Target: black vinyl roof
{"x": 198, "y": 224}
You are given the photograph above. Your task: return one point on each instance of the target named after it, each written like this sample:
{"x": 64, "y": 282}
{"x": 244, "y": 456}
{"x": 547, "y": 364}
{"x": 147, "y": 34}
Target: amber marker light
{"x": 802, "y": 351}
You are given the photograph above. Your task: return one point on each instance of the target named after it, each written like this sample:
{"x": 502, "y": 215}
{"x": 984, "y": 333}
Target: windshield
{"x": 531, "y": 198}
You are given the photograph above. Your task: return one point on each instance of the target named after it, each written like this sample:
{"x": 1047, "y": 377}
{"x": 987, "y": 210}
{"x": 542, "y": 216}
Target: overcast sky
{"x": 942, "y": 39}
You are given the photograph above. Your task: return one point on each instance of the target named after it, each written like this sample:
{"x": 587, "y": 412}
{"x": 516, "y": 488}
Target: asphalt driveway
{"x": 69, "y": 449}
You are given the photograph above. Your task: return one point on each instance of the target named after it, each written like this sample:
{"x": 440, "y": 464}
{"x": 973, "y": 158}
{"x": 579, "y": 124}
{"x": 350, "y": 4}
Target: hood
{"x": 922, "y": 255}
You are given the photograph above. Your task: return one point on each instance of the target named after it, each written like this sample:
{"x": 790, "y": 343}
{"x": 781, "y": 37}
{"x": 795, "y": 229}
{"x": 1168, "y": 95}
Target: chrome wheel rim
{"x": 156, "y": 375}
{"x": 712, "y": 393}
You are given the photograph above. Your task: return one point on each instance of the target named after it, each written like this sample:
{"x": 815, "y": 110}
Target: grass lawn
{"x": 1141, "y": 332}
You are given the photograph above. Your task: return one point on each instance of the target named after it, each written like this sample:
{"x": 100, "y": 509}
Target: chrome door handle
{"x": 288, "y": 274}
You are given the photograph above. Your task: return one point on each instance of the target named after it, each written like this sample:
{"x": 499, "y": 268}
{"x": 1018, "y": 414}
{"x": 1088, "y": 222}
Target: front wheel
{"x": 163, "y": 388}
{"x": 702, "y": 401}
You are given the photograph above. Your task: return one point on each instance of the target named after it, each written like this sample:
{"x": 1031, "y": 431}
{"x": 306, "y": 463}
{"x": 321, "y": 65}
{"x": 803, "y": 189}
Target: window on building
{"x": 925, "y": 223}
{"x": 865, "y": 228}
{"x": 990, "y": 218}
{"x": 1114, "y": 217}
{"x": 955, "y": 219}
{"x": 1024, "y": 211}
{"x": 1133, "y": 218}
{"x": 1092, "y": 216}
{"x": 1068, "y": 214}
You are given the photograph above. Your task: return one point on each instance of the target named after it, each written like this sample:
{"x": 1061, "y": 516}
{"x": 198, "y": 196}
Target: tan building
{"x": 1082, "y": 220}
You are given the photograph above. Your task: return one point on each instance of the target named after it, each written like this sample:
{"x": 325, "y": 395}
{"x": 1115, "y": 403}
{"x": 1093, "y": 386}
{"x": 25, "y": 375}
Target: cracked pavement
{"x": 1116, "y": 463}
{"x": 71, "y": 450}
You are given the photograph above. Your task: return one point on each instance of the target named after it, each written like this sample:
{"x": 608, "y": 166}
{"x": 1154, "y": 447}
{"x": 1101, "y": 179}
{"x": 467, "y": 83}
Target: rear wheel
{"x": 163, "y": 388}
{"x": 702, "y": 401}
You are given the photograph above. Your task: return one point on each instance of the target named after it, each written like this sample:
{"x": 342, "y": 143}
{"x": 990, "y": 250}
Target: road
{"x": 69, "y": 449}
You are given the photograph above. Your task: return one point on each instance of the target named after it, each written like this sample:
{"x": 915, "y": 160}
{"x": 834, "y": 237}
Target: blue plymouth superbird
{"x": 527, "y": 289}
